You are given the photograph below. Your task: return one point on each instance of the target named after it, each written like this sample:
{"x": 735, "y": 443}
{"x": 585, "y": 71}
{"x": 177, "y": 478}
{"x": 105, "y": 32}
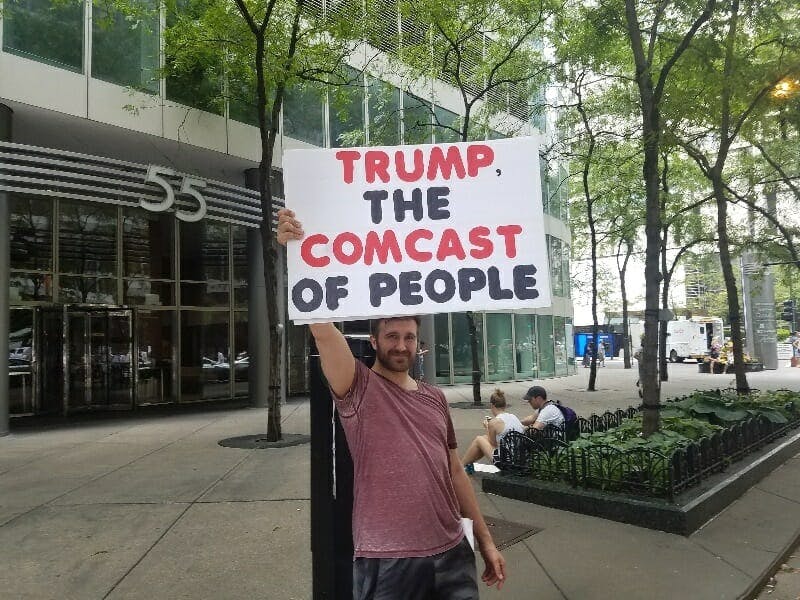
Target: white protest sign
{"x": 416, "y": 230}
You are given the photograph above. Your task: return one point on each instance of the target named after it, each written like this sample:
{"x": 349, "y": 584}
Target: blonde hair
{"x": 498, "y": 398}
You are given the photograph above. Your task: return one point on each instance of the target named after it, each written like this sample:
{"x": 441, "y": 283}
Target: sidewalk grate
{"x": 259, "y": 441}
{"x": 507, "y": 533}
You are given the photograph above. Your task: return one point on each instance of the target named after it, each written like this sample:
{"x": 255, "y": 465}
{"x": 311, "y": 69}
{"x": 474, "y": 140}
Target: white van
{"x": 691, "y": 338}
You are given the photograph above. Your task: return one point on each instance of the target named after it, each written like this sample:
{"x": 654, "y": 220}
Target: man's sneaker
{"x": 470, "y": 469}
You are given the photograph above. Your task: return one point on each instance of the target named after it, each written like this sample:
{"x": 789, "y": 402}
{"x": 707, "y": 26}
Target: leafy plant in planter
{"x": 620, "y": 459}
{"x": 725, "y": 408}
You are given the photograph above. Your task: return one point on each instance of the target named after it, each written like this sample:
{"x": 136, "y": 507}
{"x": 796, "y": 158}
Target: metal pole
{"x": 257, "y": 326}
{"x": 331, "y": 494}
{"x": 5, "y": 259}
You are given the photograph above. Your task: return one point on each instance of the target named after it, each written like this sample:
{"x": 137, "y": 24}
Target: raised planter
{"x": 684, "y": 515}
{"x": 642, "y": 485}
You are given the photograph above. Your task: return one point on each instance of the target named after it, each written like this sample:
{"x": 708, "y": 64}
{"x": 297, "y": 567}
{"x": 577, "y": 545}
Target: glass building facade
{"x": 115, "y": 306}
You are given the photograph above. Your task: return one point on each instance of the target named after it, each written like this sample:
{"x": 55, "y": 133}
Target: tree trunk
{"x": 734, "y": 313}
{"x": 662, "y": 329}
{"x": 269, "y": 251}
{"x": 626, "y": 342}
{"x": 587, "y": 163}
{"x": 651, "y": 136}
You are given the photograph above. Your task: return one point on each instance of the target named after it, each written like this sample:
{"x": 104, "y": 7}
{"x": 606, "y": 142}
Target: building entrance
{"x": 98, "y": 358}
{"x": 84, "y": 359}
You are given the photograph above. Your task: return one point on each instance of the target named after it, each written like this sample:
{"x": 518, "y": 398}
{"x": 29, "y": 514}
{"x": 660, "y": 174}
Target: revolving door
{"x": 86, "y": 359}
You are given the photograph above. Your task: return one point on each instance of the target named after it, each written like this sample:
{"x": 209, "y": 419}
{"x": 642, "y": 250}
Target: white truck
{"x": 691, "y": 338}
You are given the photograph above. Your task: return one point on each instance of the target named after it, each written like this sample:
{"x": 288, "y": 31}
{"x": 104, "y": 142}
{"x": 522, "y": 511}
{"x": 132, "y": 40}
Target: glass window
{"x": 446, "y": 125}
{"x": 204, "y": 264}
{"x": 31, "y": 234}
{"x": 569, "y": 335}
{"x": 155, "y": 338}
{"x": 560, "y": 345}
{"x": 303, "y": 113}
{"x": 205, "y": 367}
{"x": 565, "y": 277}
{"x": 240, "y": 265}
{"x": 496, "y": 135}
{"x": 356, "y": 327}
{"x": 564, "y": 192}
{"x": 49, "y": 32}
{"x": 241, "y": 363}
{"x": 198, "y": 86}
{"x": 346, "y": 110}
{"x": 416, "y": 120}
{"x": 88, "y": 290}
{"x": 243, "y": 103}
{"x": 462, "y": 349}
{"x": 30, "y": 287}
{"x": 20, "y": 355}
{"x": 441, "y": 328}
{"x": 499, "y": 347}
{"x": 554, "y": 186}
{"x": 125, "y": 45}
{"x": 554, "y": 254}
{"x": 384, "y": 113}
{"x": 87, "y": 239}
{"x": 527, "y": 365}
{"x": 544, "y": 184}
{"x": 148, "y": 244}
{"x": 544, "y": 327}
{"x": 147, "y": 292}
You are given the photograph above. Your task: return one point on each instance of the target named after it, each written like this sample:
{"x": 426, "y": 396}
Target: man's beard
{"x": 399, "y": 362}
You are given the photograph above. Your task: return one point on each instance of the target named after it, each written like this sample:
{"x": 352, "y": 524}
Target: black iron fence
{"x": 545, "y": 454}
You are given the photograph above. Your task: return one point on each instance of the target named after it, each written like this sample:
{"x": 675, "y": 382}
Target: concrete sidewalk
{"x": 152, "y": 507}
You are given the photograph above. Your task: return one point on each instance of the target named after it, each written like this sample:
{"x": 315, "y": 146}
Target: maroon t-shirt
{"x": 404, "y": 502}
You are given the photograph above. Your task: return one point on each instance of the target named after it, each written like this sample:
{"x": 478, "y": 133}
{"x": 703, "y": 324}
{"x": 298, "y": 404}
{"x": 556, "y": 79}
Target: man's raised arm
{"x": 338, "y": 363}
{"x": 337, "y": 360}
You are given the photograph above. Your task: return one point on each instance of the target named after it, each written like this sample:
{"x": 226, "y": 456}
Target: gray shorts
{"x": 450, "y": 575}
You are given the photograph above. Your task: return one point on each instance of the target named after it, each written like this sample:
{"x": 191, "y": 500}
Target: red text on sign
{"x": 434, "y": 162}
{"x": 419, "y": 245}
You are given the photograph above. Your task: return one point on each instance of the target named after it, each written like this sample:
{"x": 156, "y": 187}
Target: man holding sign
{"x": 410, "y": 490}
{"x": 391, "y": 233}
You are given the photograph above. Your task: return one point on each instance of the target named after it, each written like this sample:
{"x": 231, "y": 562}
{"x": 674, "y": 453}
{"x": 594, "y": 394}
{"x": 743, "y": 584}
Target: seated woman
{"x": 714, "y": 353}
{"x": 497, "y": 426}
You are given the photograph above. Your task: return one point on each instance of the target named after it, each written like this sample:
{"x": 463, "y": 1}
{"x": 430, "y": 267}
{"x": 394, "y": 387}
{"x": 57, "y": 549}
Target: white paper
{"x": 482, "y": 468}
{"x": 466, "y": 527}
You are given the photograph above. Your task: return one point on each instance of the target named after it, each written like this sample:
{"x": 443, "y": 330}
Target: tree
{"x": 260, "y": 49}
{"x": 737, "y": 61}
{"x": 653, "y": 37}
{"x": 682, "y": 229}
{"x": 487, "y": 52}
{"x": 652, "y": 73}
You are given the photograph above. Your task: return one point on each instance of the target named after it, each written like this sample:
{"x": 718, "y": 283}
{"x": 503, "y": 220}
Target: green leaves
{"x": 693, "y": 417}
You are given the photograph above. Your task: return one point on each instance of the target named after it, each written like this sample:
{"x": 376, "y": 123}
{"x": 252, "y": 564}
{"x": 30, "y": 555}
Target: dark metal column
{"x": 331, "y": 492}
{"x": 5, "y": 258}
{"x": 758, "y": 295}
{"x": 257, "y": 326}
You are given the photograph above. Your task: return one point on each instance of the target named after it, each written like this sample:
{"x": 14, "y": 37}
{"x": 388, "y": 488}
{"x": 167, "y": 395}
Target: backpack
{"x": 570, "y": 421}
